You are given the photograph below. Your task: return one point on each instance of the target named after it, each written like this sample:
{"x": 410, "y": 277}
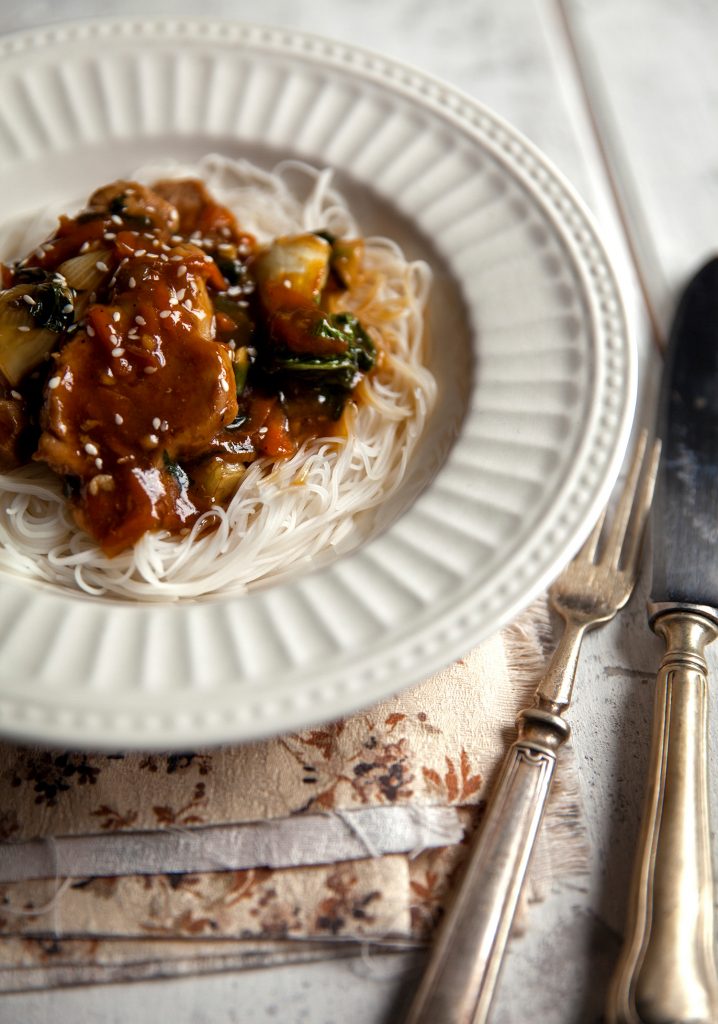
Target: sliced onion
{"x": 82, "y": 272}
{"x": 299, "y": 263}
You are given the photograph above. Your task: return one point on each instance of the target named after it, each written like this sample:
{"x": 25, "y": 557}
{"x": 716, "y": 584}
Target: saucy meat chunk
{"x": 134, "y": 205}
{"x": 196, "y": 210}
{"x": 142, "y": 387}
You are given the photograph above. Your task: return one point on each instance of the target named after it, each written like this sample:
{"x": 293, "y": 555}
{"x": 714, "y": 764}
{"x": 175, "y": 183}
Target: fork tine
{"x": 588, "y": 550}
{"x": 619, "y": 527}
{"x": 643, "y": 507}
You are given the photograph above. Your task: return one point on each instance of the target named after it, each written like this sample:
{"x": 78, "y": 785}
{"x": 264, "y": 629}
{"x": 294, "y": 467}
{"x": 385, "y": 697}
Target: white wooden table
{"x": 623, "y": 96}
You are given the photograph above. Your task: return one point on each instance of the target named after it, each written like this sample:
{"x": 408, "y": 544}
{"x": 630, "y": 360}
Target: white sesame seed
{"x": 68, "y": 308}
{"x": 234, "y": 290}
{"x": 208, "y": 259}
{"x": 54, "y": 382}
{"x": 16, "y": 395}
{"x": 84, "y": 247}
{"x": 150, "y": 369}
{"x": 119, "y": 420}
{"x": 262, "y": 431}
{"x": 163, "y": 258}
{"x": 153, "y": 439}
{"x": 164, "y": 425}
{"x": 98, "y": 463}
{"x": 109, "y": 236}
{"x": 101, "y": 483}
{"x": 187, "y": 304}
{"x": 132, "y": 282}
{"x": 29, "y": 299}
{"x": 116, "y": 219}
{"x": 181, "y": 271}
{"x": 165, "y": 313}
{"x": 23, "y": 329}
{"x": 102, "y": 266}
{"x": 140, "y": 252}
{"x": 118, "y": 351}
{"x": 287, "y": 283}
{"x": 225, "y": 385}
{"x": 157, "y": 423}
{"x": 140, "y": 320}
{"x": 116, "y": 317}
{"x": 90, "y": 331}
{"x": 91, "y": 448}
{"x": 180, "y": 293}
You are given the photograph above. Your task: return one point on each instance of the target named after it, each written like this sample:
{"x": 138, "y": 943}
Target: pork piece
{"x": 144, "y": 386}
{"x": 136, "y": 204}
{"x": 198, "y": 212}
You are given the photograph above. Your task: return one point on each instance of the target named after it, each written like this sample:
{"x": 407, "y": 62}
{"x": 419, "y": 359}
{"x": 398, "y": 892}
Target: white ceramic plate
{"x": 528, "y": 341}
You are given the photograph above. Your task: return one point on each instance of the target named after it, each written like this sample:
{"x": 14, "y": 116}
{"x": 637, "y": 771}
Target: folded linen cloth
{"x": 295, "y": 847}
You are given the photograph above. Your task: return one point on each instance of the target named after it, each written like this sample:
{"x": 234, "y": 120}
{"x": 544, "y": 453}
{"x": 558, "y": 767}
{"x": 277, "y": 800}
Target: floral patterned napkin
{"x": 362, "y": 820}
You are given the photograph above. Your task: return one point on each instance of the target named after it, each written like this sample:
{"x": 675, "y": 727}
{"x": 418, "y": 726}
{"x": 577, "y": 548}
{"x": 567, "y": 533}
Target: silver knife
{"x": 667, "y": 971}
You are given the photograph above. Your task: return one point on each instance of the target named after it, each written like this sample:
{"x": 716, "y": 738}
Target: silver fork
{"x": 460, "y": 979}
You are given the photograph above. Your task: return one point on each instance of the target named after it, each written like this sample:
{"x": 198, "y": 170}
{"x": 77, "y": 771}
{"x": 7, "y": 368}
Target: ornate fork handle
{"x": 459, "y": 984}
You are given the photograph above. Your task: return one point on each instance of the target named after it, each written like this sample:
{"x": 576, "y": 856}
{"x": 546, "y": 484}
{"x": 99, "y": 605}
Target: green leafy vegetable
{"x": 233, "y": 270}
{"x": 332, "y": 376}
{"x": 50, "y": 302}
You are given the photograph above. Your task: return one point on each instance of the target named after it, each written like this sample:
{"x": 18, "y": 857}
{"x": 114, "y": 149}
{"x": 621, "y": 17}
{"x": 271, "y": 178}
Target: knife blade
{"x": 667, "y": 970}
{"x": 685, "y": 508}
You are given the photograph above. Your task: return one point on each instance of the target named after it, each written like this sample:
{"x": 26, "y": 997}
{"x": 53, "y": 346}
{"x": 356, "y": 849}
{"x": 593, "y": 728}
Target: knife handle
{"x": 667, "y": 970}
{"x": 459, "y": 982}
